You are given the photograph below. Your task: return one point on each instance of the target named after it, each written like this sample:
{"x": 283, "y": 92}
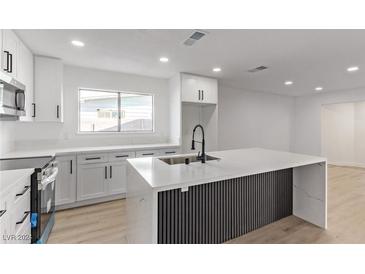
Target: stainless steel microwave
{"x": 12, "y": 97}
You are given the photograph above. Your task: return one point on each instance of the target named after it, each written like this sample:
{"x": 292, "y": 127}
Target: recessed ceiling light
{"x": 164, "y": 59}
{"x": 217, "y": 69}
{"x": 77, "y": 43}
{"x": 318, "y": 88}
{"x": 288, "y": 83}
{"x": 351, "y": 69}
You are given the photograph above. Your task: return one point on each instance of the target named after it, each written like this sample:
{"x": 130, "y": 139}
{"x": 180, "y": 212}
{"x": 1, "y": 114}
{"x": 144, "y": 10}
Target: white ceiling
{"x": 310, "y": 58}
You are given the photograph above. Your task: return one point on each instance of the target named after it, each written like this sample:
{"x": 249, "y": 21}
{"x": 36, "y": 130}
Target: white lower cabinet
{"x": 15, "y": 227}
{"x": 66, "y": 180}
{"x": 117, "y": 182}
{"x": 88, "y": 177}
{"x": 148, "y": 153}
{"x": 91, "y": 181}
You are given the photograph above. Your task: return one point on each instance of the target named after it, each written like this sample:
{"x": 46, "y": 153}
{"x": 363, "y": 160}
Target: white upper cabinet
{"x": 26, "y": 76}
{"x": 48, "y": 83}
{"x": 17, "y": 60}
{"x": 198, "y": 89}
{"x": 9, "y": 52}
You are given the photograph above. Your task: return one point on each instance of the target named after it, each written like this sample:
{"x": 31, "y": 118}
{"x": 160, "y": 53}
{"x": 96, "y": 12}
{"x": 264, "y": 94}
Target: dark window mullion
{"x": 119, "y": 112}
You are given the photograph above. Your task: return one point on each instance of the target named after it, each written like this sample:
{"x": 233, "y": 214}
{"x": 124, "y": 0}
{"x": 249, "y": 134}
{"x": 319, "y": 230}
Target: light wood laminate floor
{"x": 106, "y": 223}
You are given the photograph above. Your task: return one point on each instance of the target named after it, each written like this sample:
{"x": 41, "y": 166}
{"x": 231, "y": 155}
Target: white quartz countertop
{"x": 10, "y": 177}
{"x": 232, "y": 164}
{"x": 64, "y": 151}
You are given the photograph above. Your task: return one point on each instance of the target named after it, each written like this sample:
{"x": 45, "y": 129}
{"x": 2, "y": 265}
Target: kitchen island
{"x": 222, "y": 199}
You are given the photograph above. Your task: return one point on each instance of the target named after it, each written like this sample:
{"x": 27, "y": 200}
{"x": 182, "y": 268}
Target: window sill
{"x": 114, "y": 133}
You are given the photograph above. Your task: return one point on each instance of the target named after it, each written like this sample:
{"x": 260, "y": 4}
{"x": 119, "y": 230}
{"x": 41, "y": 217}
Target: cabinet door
{"x": 26, "y": 76}
{"x": 209, "y": 89}
{"x": 48, "y": 91}
{"x": 92, "y": 181}
{"x": 10, "y": 48}
{"x": 66, "y": 180}
{"x": 190, "y": 88}
{"x": 117, "y": 182}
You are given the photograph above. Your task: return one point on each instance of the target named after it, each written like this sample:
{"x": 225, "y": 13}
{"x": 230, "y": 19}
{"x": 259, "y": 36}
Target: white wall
{"x": 306, "y": 136}
{"x": 254, "y": 119}
{"x": 65, "y": 134}
{"x": 7, "y": 141}
{"x": 207, "y": 116}
{"x": 338, "y": 132}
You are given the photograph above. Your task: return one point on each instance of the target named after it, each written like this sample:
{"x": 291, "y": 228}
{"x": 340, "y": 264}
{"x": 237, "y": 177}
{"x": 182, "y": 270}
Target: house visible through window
{"x": 105, "y": 111}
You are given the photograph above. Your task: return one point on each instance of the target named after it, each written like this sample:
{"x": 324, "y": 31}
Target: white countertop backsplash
{"x": 45, "y": 152}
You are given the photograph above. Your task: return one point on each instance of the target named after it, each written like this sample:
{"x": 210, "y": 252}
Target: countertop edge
{"x": 81, "y": 150}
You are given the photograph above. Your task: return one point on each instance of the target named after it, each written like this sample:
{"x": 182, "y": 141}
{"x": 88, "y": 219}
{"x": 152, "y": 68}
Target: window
{"x": 106, "y": 111}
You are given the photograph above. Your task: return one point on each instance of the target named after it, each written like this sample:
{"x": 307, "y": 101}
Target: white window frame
{"x": 119, "y": 113}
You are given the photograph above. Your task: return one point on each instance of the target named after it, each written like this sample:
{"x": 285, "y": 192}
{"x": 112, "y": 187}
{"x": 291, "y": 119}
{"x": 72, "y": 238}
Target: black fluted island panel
{"x": 219, "y": 211}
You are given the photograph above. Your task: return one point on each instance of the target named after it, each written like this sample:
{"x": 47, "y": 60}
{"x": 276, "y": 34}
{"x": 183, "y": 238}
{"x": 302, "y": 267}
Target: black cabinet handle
{"x": 11, "y": 63}
{"x": 202, "y": 95}
{"x": 121, "y": 156}
{"x": 92, "y": 158}
{"x": 33, "y": 110}
{"x": 24, "y": 190}
{"x": 58, "y": 111}
{"x": 106, "y": 171}
{"x": 170, "y": 152}
{"x": 70, "y": 166}
{"x": 199, "y": 95}
{"x": 2, "y": 212}
{"x": 24, "y": 217}
{"x": 111, "y": 172}
{"x": 147, "y": 154}
{"x": 7, "y": 61}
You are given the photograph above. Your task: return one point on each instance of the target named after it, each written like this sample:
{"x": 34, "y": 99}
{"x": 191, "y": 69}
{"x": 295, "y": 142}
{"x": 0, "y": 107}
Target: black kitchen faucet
{"x": 202, "y": 156}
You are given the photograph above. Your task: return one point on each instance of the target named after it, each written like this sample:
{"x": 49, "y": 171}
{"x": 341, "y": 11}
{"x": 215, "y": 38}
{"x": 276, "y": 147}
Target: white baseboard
{"x": 349, "y": 164}
{"x": 91, "y": 202}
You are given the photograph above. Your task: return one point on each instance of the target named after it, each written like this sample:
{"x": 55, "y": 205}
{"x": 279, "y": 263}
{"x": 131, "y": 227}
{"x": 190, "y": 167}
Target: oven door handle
{"x": 51, "y": 178}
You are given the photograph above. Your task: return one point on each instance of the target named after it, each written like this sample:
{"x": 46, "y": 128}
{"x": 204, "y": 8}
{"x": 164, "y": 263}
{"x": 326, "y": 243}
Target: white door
{"x": 117, "y": 182}
{"x": 66, "y": 180}
{"x": 26, "y": 76}
{"x": 10, "y": 48}
{"x": 48, "y": 75}
{"x": 190, "y": 91}
{"x": 209, "y": 89}
{"x": 92, "y": 181}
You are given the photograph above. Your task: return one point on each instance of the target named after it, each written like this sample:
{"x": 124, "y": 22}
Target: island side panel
{"x": 216, "y": 212}
{"x": 140, "y": 205}
{"x": 310, "y": 193}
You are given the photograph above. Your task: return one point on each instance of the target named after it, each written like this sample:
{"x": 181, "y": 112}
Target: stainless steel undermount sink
{"x": 181, "y": 159}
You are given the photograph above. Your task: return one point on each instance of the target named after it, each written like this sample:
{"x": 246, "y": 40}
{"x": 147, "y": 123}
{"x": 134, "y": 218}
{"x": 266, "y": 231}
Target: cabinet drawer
{"x": 21, "y": 188}
{"x": 23, "y": 235}
{"x": 120, "y": 156}
{"x": 169, "y": 151}
{"x": 92, "y": 158}
{"x": 148, "y": 153}
{"x": 20, "y": 209}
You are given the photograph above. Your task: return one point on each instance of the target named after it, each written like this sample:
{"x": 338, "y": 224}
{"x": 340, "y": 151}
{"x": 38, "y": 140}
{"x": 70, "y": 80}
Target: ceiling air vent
{"x": 194, "y": 37}
{"x": 260, "y": 68}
